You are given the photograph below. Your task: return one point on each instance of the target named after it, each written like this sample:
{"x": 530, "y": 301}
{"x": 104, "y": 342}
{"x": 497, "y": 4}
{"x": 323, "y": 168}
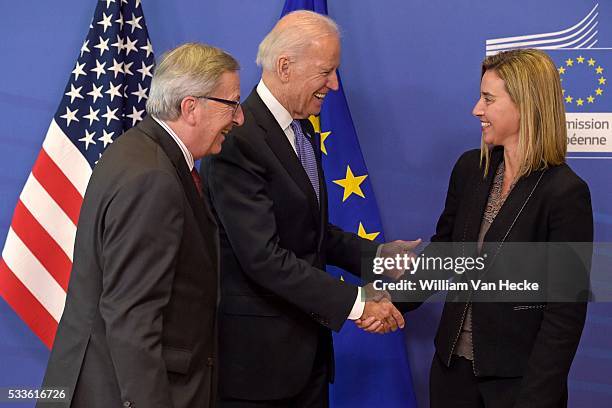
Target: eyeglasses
{"x": 233, "y": 104}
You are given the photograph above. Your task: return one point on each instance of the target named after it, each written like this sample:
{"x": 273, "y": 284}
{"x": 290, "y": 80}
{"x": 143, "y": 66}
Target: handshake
{"x": 380, "y": 315}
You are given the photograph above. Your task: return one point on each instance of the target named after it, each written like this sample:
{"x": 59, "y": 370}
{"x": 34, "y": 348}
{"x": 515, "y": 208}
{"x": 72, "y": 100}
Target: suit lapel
{"x": 509, "y": 211}
{"x": 169, "y": 146}
{"x": 478, "y": 203}
{"x": 512, "y": 207}
{"x": 282, "y": 149}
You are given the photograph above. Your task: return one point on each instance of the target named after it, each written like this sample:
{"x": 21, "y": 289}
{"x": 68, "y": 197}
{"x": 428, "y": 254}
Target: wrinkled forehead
{"x": 325, "y": 49}
{"x": 228, "y": 82}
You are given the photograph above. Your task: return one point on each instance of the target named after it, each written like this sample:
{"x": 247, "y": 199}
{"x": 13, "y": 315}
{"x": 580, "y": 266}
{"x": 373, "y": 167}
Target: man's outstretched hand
{"x": 379, "y": 314}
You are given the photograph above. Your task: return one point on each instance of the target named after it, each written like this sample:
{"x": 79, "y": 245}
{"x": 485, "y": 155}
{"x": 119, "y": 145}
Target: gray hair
{"x": 293, "y": 38}
{"x": 191, "y": 69}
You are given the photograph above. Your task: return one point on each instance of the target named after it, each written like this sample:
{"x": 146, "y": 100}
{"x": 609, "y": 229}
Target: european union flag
{"x": 371, "y": 370}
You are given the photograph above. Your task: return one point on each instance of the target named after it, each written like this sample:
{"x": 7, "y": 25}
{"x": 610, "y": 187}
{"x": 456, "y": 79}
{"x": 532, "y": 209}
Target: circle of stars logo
{"x": 599, "y": 80}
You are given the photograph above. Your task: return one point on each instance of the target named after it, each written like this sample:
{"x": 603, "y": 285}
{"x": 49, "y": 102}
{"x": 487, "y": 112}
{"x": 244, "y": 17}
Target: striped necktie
{"x": 306, "y": 155}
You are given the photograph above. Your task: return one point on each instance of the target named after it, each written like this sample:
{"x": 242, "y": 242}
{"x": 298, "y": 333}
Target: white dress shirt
{"x": 282, "y": 116}
{"x": 186, "y": 153}
{"x": 284, "y": 119}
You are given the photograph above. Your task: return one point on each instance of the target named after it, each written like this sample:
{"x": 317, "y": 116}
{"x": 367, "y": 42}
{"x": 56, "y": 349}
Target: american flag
{"x": 105, "y": 95}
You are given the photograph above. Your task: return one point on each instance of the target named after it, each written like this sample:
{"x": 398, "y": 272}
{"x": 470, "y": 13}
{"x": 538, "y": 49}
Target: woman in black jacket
{"x": 517, "y": 189}
{"x": 499, "y": 352}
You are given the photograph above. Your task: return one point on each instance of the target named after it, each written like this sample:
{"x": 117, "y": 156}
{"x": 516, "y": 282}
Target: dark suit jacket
{"x": 533, "y": 341}
{"x": 278, "y": 303}
{"x": 138, "y": 329}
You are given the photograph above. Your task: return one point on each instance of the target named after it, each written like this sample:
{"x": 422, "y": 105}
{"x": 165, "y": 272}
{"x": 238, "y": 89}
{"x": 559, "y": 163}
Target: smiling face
{"x": 499, "y": 116}
{"x": 312, "y": 76}
{"x": 215, "y": 119}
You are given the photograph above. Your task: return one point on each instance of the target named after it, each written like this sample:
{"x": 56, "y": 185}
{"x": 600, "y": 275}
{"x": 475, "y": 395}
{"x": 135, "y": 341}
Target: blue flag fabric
{"x": 371, "y": 370}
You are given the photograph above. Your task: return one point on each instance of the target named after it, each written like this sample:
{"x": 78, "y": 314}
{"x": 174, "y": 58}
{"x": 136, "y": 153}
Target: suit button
{"x": 210, "y": 361}
{"x": 128, "y": 404}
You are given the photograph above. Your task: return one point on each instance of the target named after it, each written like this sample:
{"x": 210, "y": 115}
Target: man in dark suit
{"x": 139, "y": 326}
{"x": 268, "y": 192}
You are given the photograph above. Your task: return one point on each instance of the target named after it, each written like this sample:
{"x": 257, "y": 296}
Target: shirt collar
{"x": 282, "y": 116}
{"x": 186, "y": 153}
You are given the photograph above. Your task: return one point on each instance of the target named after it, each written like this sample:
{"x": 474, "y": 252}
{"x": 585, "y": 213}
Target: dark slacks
{"x": 314, "y": 395}
{"x": 457, "y": 387}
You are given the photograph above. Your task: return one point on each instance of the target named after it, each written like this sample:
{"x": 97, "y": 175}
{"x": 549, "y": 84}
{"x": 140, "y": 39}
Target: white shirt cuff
{"x": 357, "y": 310}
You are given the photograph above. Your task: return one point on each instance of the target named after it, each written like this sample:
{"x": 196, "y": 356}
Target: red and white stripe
{"x": 37, "y": 256}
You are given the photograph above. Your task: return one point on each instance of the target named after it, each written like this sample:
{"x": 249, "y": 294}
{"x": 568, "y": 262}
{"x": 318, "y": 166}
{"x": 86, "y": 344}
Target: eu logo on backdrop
{"x": 584, "y": 67}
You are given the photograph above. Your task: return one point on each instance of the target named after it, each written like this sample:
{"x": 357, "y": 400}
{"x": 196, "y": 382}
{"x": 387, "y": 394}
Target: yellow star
{"x": 569, "y": 99}
{"x": 324, "y": 136}
{"x": 561, "y": 71}
{"x": 579, "y": 102}
{"x": 591, "y": 62}
{"x": 602, "y": 81}
{"x": 351, "y": 184}
{"x": 363, "y": 234}
{"x": 599, "y": 70}
{"x": 569, "y": 62}
{"x": 580, "y": 59}
{"x": 590, "y": 99}
{"x": 316, "y": 123}
{"x": 599, "y": 91}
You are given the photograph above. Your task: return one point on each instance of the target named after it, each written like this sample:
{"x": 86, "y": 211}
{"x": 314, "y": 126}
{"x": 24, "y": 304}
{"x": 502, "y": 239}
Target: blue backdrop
{"x": 411, "y": 74}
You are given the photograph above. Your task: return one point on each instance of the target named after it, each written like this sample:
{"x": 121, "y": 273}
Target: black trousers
{"x": 314, "y": 395}
{"x": 457, "y": 387}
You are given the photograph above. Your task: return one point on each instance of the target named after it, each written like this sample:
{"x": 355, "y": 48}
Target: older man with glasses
{"x": 139, "y": 327}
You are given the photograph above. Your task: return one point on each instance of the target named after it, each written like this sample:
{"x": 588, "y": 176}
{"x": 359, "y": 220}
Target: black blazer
{"x": 533, "y": 341}
{"x": 278, "y": 303}
{"x": 138, "y": 328}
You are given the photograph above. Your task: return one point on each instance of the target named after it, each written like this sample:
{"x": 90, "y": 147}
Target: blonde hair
{"x": 292, "y": 35}
{"x": 533, "y": 83}
{"x": 191, "y": 69}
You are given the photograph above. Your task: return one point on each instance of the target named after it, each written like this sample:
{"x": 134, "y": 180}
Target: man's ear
{"x": 187, "y": 109}
{"x": 283, "y": 68}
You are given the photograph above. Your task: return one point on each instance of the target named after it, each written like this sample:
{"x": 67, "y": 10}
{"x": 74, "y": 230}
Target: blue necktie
{"x": 306, "y": 155}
